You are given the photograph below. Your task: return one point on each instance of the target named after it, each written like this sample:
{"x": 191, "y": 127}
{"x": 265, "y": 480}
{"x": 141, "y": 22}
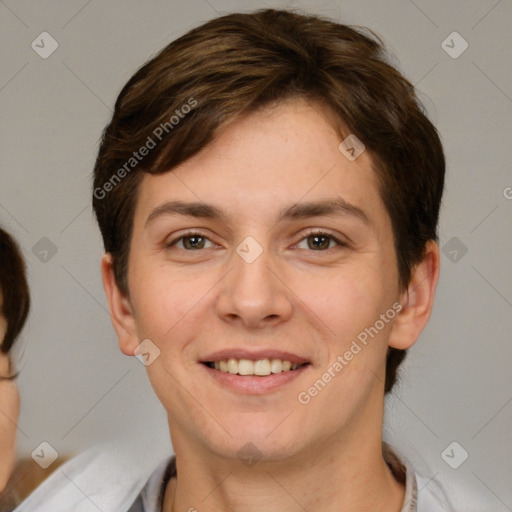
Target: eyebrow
{"x": 296, "y": 211}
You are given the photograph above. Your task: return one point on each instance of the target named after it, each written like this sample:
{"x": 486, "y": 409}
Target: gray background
{"x": 78, "y": 389}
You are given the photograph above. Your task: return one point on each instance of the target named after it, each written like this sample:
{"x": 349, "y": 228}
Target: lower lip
{"x": 250, "y": 385}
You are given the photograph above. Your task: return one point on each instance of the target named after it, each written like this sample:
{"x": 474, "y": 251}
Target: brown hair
{"x": 14, "y": 288}
{"x": 238, "y": 63}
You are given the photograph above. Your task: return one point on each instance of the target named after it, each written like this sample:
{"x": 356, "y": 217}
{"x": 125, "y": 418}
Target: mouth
{"x": 254, "y": 372}
{"x": 254, "y": 368}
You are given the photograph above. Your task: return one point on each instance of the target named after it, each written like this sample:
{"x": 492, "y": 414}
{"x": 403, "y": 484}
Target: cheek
{"x": 10, "y": 407}
{"x": 164, "y": 304}
{"x": 346, "y": 300}
{"x": 166, "y": 312}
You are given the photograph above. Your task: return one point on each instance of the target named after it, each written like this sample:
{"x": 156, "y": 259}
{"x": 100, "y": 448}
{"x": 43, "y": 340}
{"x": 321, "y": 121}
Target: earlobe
{"x": 417, "y": 300}
{"x": 121, "y": 312}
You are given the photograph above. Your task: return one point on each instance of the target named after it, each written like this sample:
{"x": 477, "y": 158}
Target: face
{"x": 9, "y": 412}
{"x": 270, "y": 247}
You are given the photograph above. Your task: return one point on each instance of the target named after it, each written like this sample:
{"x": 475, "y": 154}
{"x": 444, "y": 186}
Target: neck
{"x": 336, "y": 479}
{"x": 340, "y": 471}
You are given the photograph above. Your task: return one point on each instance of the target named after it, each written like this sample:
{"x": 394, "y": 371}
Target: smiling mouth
{"x": 259, "y": 368}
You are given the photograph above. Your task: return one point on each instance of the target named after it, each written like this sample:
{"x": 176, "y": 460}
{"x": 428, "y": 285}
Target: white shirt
{"x": 104, "y": 481}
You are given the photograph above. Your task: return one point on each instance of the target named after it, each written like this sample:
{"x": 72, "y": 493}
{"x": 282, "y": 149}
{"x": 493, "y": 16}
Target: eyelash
{"x": 307, "y": 235}
{"x": 324, "y": 234}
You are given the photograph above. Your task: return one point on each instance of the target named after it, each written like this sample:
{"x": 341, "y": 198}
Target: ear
{"x": 417, "y": 300}
{"x": 121, "y": 311}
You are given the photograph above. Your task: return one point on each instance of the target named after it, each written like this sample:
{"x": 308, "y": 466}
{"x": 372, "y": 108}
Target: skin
{"x": 325, "y": 455}
{"x": 9, "y": 412}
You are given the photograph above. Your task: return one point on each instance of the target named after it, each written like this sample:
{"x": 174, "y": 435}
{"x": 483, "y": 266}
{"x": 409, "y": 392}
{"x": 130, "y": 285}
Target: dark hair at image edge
{"x": 239, "y": 63}
{"x": 15, "y": 291}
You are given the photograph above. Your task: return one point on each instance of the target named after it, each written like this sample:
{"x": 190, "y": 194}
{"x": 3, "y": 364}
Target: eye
{"x": 191, "y": 241}
{"x": 319, "y": 241}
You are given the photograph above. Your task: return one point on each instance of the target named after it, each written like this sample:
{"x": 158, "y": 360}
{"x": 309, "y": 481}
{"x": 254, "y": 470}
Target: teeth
{"x": 232, "y": 366}
{"x": 262, "y": 367}
{"x": 245, "y": 367}
{"x": 276, "y": 366}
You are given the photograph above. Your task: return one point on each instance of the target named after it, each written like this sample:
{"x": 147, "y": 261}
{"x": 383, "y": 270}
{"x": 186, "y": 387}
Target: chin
{"x": 259, "y": 438}
{"x": 249, "y": 452}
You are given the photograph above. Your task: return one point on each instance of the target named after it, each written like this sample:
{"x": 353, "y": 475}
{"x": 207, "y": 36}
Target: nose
{"x": 254, "y": 295}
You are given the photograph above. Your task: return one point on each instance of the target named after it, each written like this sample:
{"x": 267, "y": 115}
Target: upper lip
{"x": 256, "y": 355}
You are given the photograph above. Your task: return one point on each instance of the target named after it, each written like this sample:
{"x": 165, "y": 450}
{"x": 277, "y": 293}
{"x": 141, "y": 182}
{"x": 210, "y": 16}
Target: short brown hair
{"x": 238, "y": 63}
{"x": 14, "y": 288}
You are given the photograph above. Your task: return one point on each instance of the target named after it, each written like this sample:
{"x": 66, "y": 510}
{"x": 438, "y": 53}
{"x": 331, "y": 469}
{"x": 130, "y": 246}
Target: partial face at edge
{"x": 9, "y": 411}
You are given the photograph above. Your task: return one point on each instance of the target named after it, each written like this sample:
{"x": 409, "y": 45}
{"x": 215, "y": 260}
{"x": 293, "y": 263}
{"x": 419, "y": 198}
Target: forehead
{"x": 270, "y": 158}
